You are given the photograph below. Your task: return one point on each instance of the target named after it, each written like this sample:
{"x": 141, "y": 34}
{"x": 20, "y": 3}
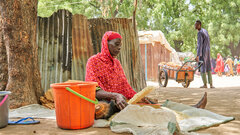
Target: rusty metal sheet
{"x": 82, "y": 46}
{"x": 54, "y": 40}
{"x": 65, "y": 43}
{"x": 155, "y": 54}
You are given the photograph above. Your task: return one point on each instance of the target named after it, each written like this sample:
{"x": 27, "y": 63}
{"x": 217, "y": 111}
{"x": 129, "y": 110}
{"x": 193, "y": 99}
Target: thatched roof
{"x": 151, "y": 37}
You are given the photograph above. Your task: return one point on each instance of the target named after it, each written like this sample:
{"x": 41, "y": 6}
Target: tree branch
{"x": 97, "y": 7}
{"x": 134, "y": 15}
{"x": 116, "y": 11}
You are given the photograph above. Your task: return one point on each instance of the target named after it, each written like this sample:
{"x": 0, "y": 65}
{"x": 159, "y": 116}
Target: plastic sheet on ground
{"x": 192, "y": 119}
{"x": 170, "y": 118}
{"x": 144, "y": 120}
{"x": 33, "y": 110}
{"x": 102, "y": 123}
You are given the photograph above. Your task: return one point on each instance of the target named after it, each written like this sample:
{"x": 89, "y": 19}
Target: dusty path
{"x": 49, "y": 127}
{"x": 224, "y": 101}
{"x": 219, "y": 82}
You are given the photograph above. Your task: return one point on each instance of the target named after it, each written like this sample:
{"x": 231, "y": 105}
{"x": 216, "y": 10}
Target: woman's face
{"x": 114, "y": 46}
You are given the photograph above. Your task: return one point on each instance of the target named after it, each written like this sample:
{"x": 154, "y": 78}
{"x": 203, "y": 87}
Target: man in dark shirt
{"x": 203, "y": 54}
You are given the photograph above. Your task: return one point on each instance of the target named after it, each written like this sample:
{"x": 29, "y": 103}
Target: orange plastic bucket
{"x": 75, "y": 104}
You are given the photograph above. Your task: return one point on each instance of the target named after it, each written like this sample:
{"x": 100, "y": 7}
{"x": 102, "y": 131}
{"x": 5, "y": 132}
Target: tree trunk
{"x": 177, "y": 45}
{"x": 19, "y": 31}
{"x": 3, "y": 62}
{"x": 235, "y": 50}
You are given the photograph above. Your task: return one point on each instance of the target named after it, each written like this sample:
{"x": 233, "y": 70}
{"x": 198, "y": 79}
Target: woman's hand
{"x": 119, "y": 98}
{"x": 120, "y": 101}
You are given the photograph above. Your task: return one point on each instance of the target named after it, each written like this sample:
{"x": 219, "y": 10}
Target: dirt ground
{"x": 224, "y": 101}
{"x": 219, "y": 82}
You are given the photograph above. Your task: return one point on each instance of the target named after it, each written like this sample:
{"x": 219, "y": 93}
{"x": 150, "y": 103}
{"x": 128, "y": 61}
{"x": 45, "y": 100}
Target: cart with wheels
{"x": 183, "y": 75}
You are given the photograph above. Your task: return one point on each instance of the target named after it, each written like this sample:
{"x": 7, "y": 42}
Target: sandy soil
{"x": 218, "y": 82}
{"x": 49, "y": 127}
{"x": 222, "y": 100}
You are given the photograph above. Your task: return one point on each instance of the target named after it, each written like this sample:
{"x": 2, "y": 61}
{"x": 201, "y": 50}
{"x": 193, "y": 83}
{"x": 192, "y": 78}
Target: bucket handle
{"x": 81, "y": 96}
{"x": 4, "y": 99}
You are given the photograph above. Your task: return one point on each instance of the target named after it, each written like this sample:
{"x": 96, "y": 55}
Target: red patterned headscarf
{"x": 107, "y": 71}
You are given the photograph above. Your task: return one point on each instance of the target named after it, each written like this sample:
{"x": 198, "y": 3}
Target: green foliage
{"x": 175, "y": 18}
{"x": 87, "y": 7}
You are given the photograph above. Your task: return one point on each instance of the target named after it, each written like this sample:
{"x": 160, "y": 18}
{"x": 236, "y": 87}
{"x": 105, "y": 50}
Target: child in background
{"x": 226, "y": 70}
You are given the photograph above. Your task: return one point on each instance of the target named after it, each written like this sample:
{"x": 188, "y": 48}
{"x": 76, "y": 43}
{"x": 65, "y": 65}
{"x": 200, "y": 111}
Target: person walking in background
{"x": 213, "y": 62}
{"x": 236, "y": 63}
{"x": 238, "y": 69}
{"x": 203, "y": 54}
{"x": 220, "y": 65}
{"x": 226, "y": 70}
{"x": 229, "y": 62}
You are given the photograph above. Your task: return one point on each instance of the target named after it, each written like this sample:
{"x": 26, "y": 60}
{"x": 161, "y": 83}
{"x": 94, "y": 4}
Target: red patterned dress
{"x": 238, "y": 69}
{"x": 220, "y": 64}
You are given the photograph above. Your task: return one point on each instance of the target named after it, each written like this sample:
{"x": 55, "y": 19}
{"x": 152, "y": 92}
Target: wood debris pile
{"x": 47, "y": 100}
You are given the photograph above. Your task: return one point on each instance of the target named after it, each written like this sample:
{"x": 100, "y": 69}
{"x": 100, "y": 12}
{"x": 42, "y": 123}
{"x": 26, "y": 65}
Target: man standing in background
{"x": 203, "y": 54}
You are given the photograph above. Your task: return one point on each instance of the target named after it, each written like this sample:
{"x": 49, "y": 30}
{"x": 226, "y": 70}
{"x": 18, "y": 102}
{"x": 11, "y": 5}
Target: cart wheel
{"x": 163, "y": 78}
{"x": 186, "y": 84}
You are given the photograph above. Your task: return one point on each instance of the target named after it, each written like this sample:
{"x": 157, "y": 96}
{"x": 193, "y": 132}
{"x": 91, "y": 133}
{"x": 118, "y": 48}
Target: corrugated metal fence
{"x": 66, "y": 42}
{"x": 82, "y": 46}
{"x": 54, "y": 39}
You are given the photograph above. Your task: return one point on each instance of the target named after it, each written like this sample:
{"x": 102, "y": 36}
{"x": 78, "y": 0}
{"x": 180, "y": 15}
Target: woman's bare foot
{"x": 203, "y": 102}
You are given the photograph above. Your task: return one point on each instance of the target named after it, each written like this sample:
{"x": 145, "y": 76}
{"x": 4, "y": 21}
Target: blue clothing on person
{"x": 203, "y": 50}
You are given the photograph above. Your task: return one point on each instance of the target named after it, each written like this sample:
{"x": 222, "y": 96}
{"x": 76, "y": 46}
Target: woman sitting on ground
{"x": 107, "y": 71}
